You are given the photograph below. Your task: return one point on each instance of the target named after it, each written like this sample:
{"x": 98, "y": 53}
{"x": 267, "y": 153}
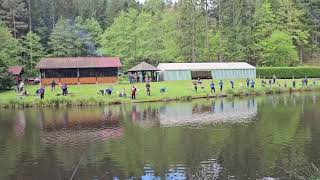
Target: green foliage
{"x": 288, "y": 72}
{"x": 134, "y": 36}
{"x": 9, "y": 47}
{"x": 71, "y": 39}
{"x": 32, "y": 51}
{"x": 6, "y": 79}
{"x": 278, "y": 50}
{"x": 170, "y": 31}
{"x": 14, "y": 13}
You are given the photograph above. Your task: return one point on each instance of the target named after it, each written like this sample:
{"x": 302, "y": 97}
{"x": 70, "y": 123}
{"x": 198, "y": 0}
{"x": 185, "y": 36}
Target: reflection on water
{"x": 243, "y": 138}
{"x": 218, "y": 111}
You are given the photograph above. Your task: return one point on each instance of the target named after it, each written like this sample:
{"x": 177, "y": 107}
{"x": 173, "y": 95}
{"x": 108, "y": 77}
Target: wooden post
{"x": 78, "y": 75}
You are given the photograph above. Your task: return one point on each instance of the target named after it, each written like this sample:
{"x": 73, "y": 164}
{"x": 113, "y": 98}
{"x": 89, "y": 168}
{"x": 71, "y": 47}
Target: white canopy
{"x": 204, "y": 66}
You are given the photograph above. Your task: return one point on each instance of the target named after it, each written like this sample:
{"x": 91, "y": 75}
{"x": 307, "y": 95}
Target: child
{"x": 248, "y": 82}
{"x": 252, "y": 83}
{"x": 109, "y": 91}
{"x": 213, "y": 89}
{"x": 232, "y": 84}
{"x": 162, "y": 90}
{"x": 41, "y": 93}
{"x": 123, "y": 93}
{"x": 148, "y": 89}
{"x": 221, "y": 85}
{"x": 53, "y": 84}
{"x": 195, "y": 85}
{"x": 133, "y": 92}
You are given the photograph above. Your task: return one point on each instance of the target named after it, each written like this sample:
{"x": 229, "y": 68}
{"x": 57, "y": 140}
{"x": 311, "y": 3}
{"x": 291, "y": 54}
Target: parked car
{"x": 33, "y": 81}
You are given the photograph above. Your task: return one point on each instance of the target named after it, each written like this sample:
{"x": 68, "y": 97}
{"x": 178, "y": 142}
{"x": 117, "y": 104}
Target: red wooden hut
{"x": 17, "y": 72}
{"x": 79, "y": 70}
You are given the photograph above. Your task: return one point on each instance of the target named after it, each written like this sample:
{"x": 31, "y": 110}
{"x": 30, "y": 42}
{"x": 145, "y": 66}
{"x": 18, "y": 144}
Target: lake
{"x": 242, "y": 138}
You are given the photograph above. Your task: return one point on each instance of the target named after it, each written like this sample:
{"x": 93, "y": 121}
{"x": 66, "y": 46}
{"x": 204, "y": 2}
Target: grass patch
{"x": 87, "y": 95}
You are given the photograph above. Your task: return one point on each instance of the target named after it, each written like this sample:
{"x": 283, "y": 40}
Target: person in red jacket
{"x": 133, "y": 92}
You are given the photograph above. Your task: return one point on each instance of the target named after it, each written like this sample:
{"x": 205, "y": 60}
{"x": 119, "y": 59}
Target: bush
{"x": 6, "y": 79}
{"x": 288, "y": 72}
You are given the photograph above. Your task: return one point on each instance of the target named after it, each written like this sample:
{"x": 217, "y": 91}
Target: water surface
{"x": 244, "y": 138}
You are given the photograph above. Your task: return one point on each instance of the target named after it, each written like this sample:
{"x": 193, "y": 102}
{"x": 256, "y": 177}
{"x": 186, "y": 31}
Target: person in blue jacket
{"x": 252, "y": 83}
{"x": 213, "y": 89}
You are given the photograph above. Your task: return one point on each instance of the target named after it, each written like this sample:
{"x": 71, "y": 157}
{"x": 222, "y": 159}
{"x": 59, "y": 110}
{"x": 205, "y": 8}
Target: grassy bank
{"x": 87, "y": 95}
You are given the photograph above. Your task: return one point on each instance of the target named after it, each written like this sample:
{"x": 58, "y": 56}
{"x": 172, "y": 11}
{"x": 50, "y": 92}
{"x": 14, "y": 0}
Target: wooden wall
{"x": 83, "y": 80}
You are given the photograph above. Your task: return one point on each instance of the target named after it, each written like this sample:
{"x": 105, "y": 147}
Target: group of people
{"x": 41, "y": 91}
{"x": 249, "y": 83}
{"x": 213, "y": 88}
{"x": 138, "y": 77}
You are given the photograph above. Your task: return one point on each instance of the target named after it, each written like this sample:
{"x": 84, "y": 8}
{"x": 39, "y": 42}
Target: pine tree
{"x": 69, "y": 39}
{"x": 14, "y": 13}
{"x": 265, "y": 25}
{"x": 62, "y": 41}
{"x": 290, "y": 18}
{"x": 32, "y": 51}
{"x": 278, "y": 50}
{"x": 9, "y": 47}
{"x": 9, "y": 51}
{"x": 94, "y": 29}
{"x": 265, "y": 20}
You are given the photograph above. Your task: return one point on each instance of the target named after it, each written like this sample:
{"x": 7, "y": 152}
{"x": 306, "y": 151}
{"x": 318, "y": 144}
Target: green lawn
{"x": 88, "y": 94}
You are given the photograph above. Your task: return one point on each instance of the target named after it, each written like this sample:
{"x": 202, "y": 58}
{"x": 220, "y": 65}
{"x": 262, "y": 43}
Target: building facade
{"x": 79, "y": 70}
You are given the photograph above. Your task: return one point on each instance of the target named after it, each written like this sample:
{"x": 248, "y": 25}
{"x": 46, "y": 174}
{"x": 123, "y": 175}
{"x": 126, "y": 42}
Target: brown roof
{"x": 16, "y": 70}
{"x": 78, "y": 62}
{"x": 143, "y": 67}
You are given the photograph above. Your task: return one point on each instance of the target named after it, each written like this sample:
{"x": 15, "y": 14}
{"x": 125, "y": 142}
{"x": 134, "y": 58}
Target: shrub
{"x": 288, "y": 72}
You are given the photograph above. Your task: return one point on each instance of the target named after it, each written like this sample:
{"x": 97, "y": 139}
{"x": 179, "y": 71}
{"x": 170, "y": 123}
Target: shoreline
{"x": 98, "y": 102}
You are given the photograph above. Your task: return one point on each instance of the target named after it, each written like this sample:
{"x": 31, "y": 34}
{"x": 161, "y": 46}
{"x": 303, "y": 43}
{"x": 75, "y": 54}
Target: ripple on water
{"x": 81, "y": 136}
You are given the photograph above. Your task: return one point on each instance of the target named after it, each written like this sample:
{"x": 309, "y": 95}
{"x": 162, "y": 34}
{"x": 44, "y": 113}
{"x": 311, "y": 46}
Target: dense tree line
{"x": 261, "y": 32}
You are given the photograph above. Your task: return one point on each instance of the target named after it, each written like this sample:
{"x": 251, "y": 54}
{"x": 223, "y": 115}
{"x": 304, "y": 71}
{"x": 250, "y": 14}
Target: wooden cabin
{"x": 17, "y": 72}
{"x": 79, "y": 70}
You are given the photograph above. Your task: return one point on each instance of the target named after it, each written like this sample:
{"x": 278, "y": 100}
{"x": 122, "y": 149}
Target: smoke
{"x": 87, "y": 43}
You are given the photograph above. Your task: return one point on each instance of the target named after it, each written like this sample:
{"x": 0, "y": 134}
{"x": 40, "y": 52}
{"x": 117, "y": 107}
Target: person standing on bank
{"x": 53, "y": 84}
{"x": 274, "y": 78}
{"x": 221, "y": 85}
{"x": 41, "y": 92}
{"x": 248, "y": 82}
{"x": 133, "y": 92}
{"x": 195, "y": 85}
{"x": 213, "y": 89}
{"x": 148, "y": 88}
{"x": 232, "y": 84}
{"x": 293, "y": 83}
{"x": 252, "y": 83}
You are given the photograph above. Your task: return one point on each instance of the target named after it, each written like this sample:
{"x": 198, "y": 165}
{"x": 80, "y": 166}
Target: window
{"x": 87, "y": 72}
{"x": 201, "y": 74}
{"x": 65, "y": 73}
{"x": 107, "y": 72}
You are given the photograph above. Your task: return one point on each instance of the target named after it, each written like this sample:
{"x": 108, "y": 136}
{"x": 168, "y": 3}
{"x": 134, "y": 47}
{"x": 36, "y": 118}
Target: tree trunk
{"x": 53, "y": 13}
{"x": 193, "y": 33}
{"x": 207, "y": 27}
{"x": 14, "y": 24}
{"x": 30, "y": 18}
{"x": 220, "y": 50}
{"x": 301, "y": 53}
{"x": 220, "y": 29}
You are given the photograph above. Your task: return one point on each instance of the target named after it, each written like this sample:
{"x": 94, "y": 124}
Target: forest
{"x": 260, "y": 32}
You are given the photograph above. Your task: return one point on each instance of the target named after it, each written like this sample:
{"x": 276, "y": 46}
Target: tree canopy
{"x": 263, "y": 33}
